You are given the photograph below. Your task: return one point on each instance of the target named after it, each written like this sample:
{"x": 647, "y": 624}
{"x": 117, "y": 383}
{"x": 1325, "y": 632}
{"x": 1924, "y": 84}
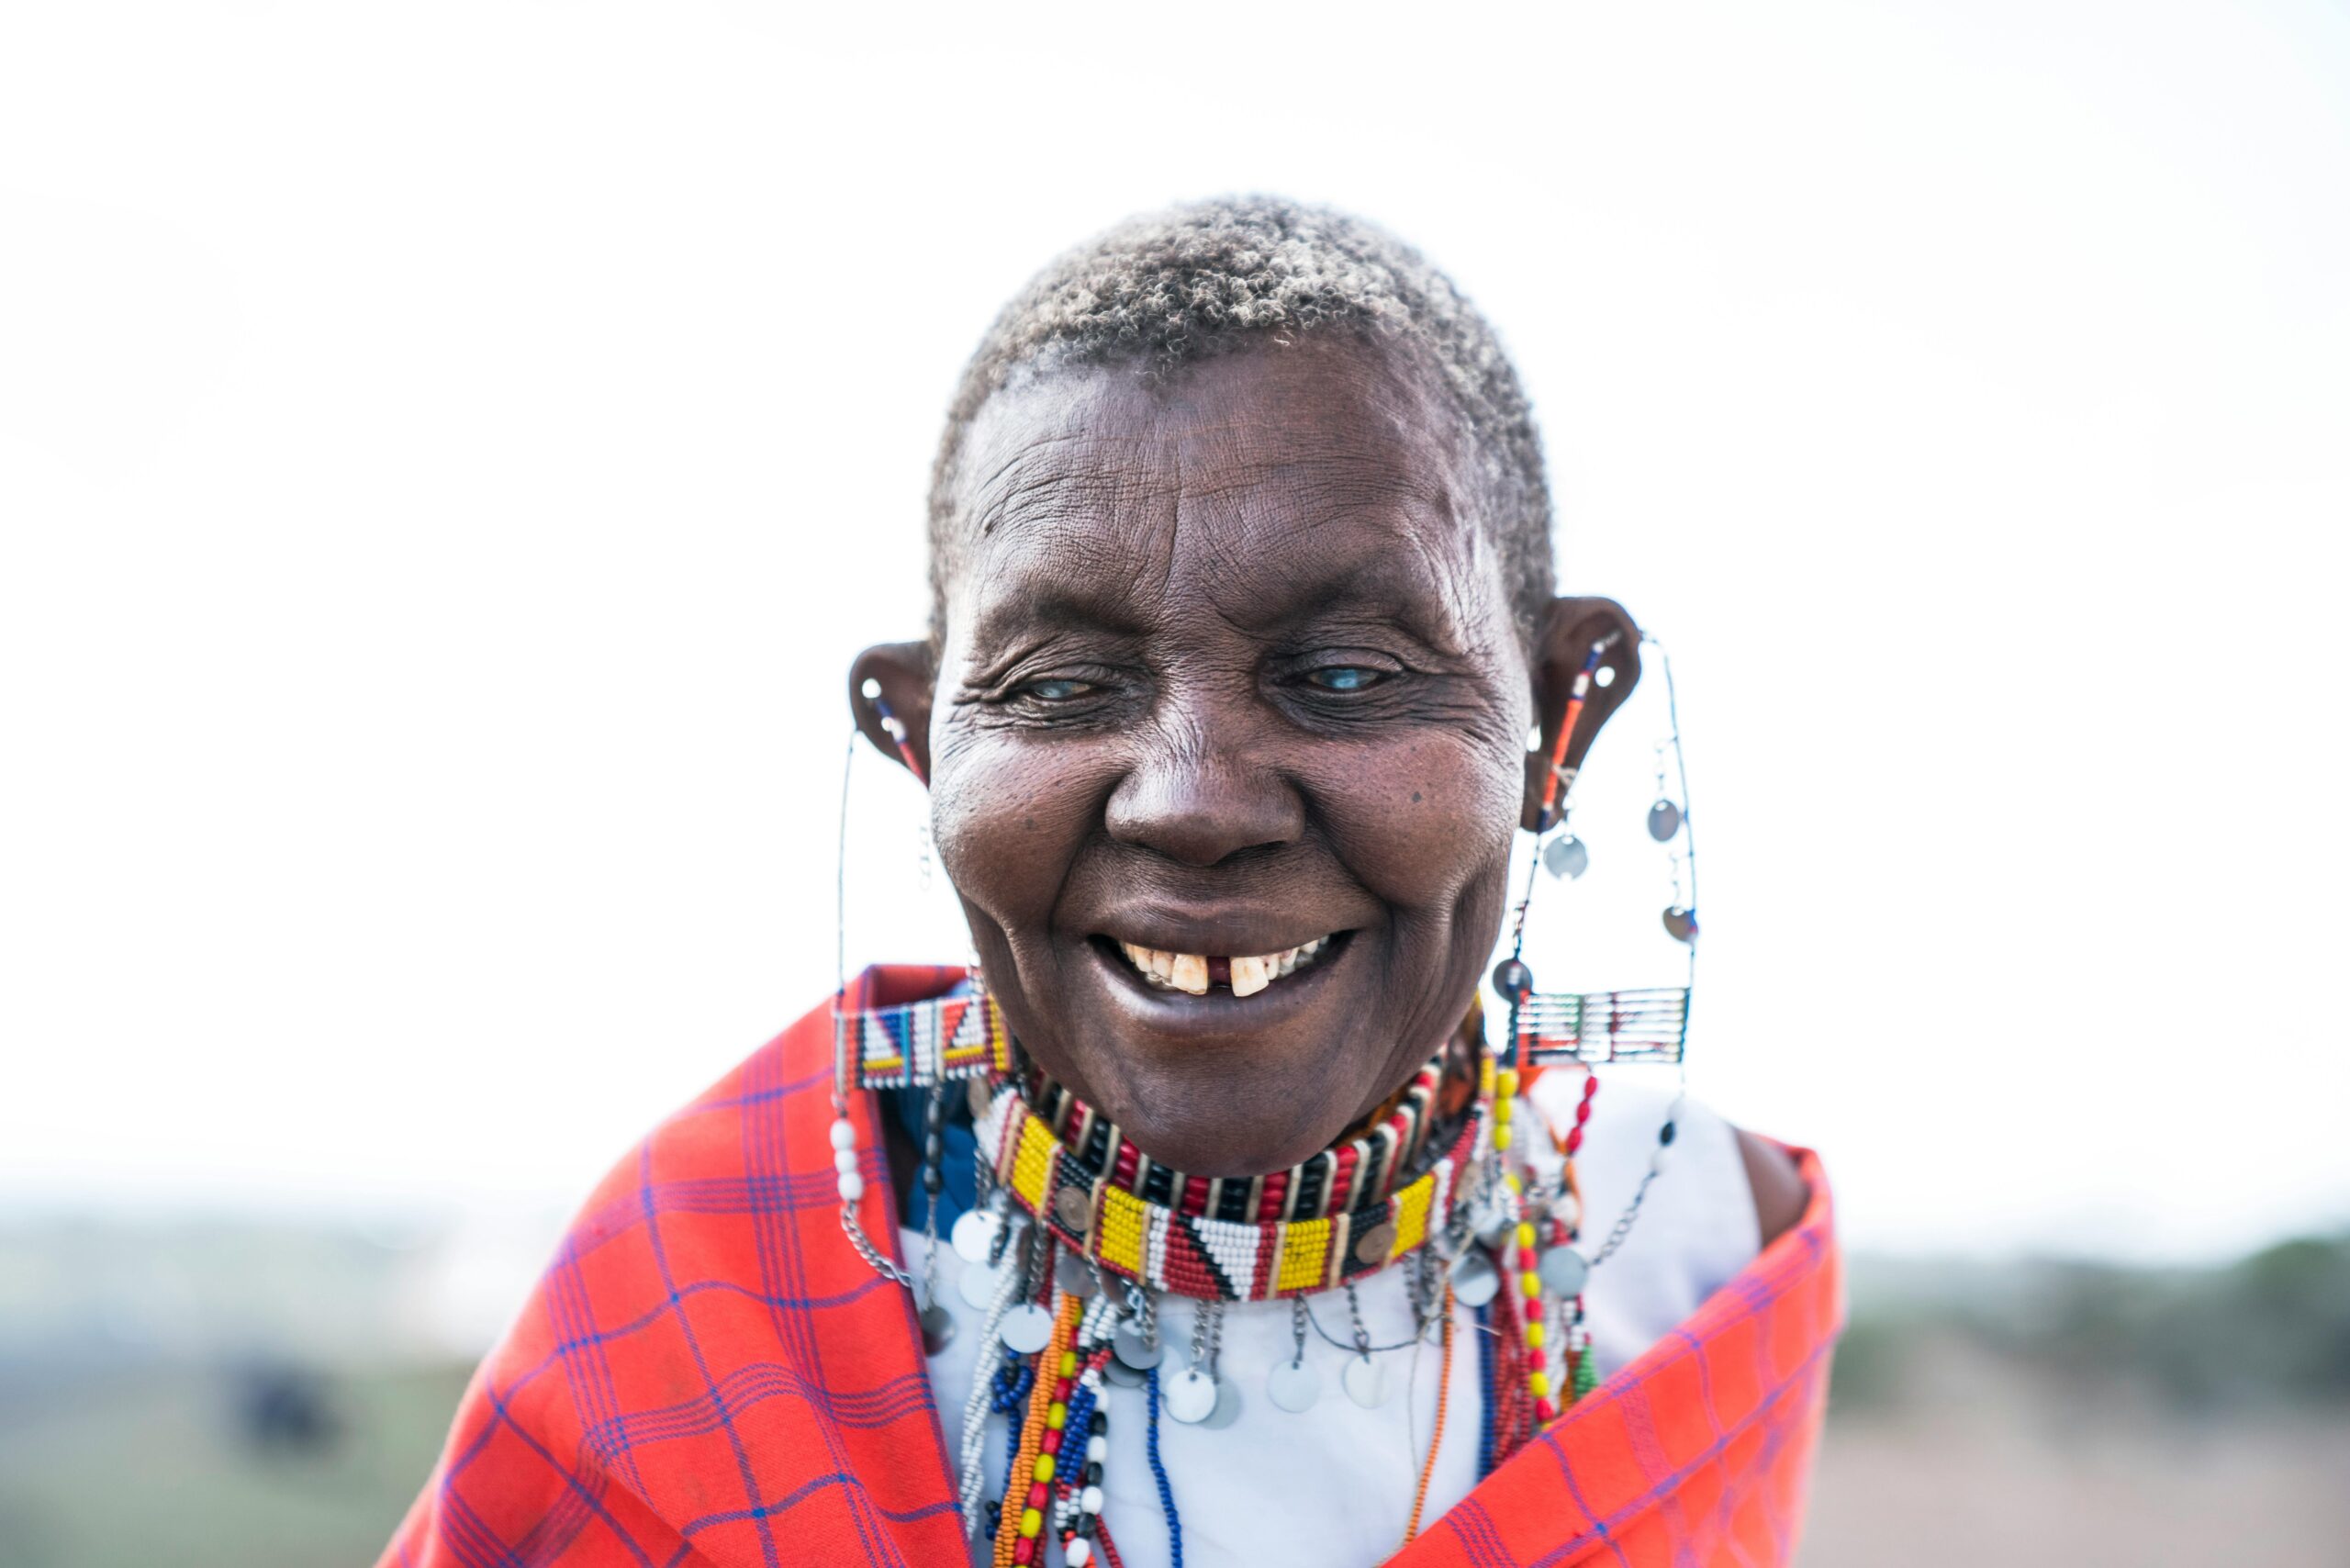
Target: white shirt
{"x": 1332, "y": 1487}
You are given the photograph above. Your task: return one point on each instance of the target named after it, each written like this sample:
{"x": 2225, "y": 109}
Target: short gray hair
{"x": 1167, "y": 288}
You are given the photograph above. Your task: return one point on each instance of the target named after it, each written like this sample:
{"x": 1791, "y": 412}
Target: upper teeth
{"x": 1189, "y": 971}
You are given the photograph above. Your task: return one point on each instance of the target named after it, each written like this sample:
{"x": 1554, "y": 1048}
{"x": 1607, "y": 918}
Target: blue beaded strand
{"x": 1079, "y": 1424}
{"x": 1013, "y": 1379}
{"x": 1159, "y": 1474}
{"x": 1485, "y": 1381}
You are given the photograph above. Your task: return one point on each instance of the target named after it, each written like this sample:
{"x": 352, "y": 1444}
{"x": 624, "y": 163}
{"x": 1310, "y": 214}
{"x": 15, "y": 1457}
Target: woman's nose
{"x": 1199, "y": 803}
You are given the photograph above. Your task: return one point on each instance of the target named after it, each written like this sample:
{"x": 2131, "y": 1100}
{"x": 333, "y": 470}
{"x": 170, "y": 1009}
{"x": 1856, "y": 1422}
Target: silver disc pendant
{"x": 937, "y": 1328}
{"x": 1293, "y": 1386}
{"x": 1365, "y": 1382}
{"x": 977, "y": 1287}
{"x": 1494, "y": 1228}
{"x": 1681, "y": 923}
{"x": 1027, "y": 1328}
{"x": 1130, "y": 1347}
{"x": 1124, "y": 1376}
{"x": 1228, "y": 1407}
{"x": 1566, "y": 857}
{"x": 1190, "y": 1397}
{"x": 1664, "y": 821}
{"x": 1475, "y": 1281}
{"x": 974, "y": 1235}
{"x": 1563, "y": 1271}
{"x": 1074, "y": 1276}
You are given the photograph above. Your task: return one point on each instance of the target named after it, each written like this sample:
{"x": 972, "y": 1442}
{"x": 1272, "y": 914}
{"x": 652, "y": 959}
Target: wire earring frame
{"x": 1599, "y": 1028}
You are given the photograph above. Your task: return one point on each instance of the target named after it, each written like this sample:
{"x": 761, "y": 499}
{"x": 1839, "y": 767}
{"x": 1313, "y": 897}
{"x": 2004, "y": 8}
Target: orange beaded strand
{"x": 1021, "y": 1518}
{"x": 1436, "y": 1439}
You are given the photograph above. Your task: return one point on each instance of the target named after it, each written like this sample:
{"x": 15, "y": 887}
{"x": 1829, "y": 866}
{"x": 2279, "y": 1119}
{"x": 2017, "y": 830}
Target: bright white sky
{"x": 449, "y": 453}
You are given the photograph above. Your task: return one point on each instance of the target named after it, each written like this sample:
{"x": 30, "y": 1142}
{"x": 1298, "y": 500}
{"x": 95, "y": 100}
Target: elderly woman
{"x": 1265, "y": 1248}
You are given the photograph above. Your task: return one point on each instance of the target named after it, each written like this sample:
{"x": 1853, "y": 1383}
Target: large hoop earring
{"x": 923, "y": 1046}
{"x": 1601, "y": 1027}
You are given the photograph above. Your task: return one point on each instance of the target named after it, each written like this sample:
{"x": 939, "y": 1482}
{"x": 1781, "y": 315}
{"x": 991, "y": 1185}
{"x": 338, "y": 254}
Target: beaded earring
{"x": 847, "y": 1162}
{"x": 921, "y": 1045}
{"x": 1538, "y": 1227}
{"x": 1584, "y": 1029}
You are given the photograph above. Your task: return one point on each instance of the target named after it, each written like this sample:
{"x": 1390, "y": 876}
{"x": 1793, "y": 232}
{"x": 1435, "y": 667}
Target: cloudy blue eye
{"x": 1054, "y": 689}
{"x": 1346, "y": 677}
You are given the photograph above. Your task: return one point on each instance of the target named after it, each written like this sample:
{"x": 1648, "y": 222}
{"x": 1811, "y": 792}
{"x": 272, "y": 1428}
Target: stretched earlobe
{"x": 888, "y": 695}
{"x": 1591, "y": 643}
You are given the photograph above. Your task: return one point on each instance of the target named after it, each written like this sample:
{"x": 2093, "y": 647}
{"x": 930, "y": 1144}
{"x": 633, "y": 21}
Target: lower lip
{"x": 1219, "y": 1012}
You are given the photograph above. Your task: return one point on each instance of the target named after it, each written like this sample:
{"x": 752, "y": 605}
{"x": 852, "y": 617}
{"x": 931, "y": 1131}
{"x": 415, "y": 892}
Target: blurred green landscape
{"x": 270, "y": 1396}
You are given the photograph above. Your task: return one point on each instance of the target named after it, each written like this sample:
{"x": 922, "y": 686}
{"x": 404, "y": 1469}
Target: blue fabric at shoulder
{"x": 958, "y": 1141}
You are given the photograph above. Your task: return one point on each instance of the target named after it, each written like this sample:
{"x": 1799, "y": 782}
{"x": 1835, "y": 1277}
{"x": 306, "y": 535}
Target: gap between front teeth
{"x": 1189, "y": 971}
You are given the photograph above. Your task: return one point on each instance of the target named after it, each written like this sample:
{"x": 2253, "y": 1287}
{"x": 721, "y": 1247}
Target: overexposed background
{"x": 449, "y": 453}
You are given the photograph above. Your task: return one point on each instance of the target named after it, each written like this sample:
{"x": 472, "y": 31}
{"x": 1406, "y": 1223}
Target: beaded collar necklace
{"x": 964, "y": 1036}
{"x": 1350, "y": 1210}
{"x": 1183, "y": 1249}
{"x": 1348, "y": 1175}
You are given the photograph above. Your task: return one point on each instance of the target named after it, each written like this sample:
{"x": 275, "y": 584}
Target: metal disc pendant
{"x": 1475, "y": 1281}
{"x": 1293, "y": 1386}
{"x": 1074, "y": 1275}
{"x": 1566, "y": 857}
{"x": 1682, "y": 924}
{"x": 1190, "y": 1397}
{"x": 1495, "y": 1227}
{"x": 1228, "y": 1407}
{"x": 977, "y": 1287}
{"x": 1512, "y": 979}
{"x": 1027, "y": 1328}
{"x": 974, "y": 1235}
{"x": 937, "y": 1328}
{"x": 1365, "y": 1382}
{"x": 1128, "y": 1345}
{"x": 1124, "y": 1376}
{"x": 1664, "y": 821}
{"x": 1563, "y": 1270}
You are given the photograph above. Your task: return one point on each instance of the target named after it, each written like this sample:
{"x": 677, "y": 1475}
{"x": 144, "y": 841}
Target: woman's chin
{"x": 1237, "y": 1146}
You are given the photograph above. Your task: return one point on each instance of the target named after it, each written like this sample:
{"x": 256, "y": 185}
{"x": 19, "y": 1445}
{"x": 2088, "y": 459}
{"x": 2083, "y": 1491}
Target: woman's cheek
{"x": 1419, "y": 823}
{"x": 1008, "y": 815}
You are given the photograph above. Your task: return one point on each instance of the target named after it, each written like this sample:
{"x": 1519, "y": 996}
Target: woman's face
{"x": 1229, "y": 670}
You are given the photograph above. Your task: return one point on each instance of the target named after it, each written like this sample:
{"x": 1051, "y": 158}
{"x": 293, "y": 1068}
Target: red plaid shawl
{"x": 707, "y": 1374}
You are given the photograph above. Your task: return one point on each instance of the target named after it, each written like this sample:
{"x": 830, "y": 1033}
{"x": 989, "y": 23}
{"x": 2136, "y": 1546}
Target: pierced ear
{"x": 901, "y": 672}
{"x": 1563, "y": 642}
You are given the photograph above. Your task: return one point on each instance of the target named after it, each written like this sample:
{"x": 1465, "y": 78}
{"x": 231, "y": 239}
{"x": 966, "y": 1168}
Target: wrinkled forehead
{"x": 1258, "y": 486}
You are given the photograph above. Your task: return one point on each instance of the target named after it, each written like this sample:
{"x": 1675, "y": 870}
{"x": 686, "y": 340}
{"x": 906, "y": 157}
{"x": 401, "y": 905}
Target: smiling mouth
{"x": 1243, "y": 974}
